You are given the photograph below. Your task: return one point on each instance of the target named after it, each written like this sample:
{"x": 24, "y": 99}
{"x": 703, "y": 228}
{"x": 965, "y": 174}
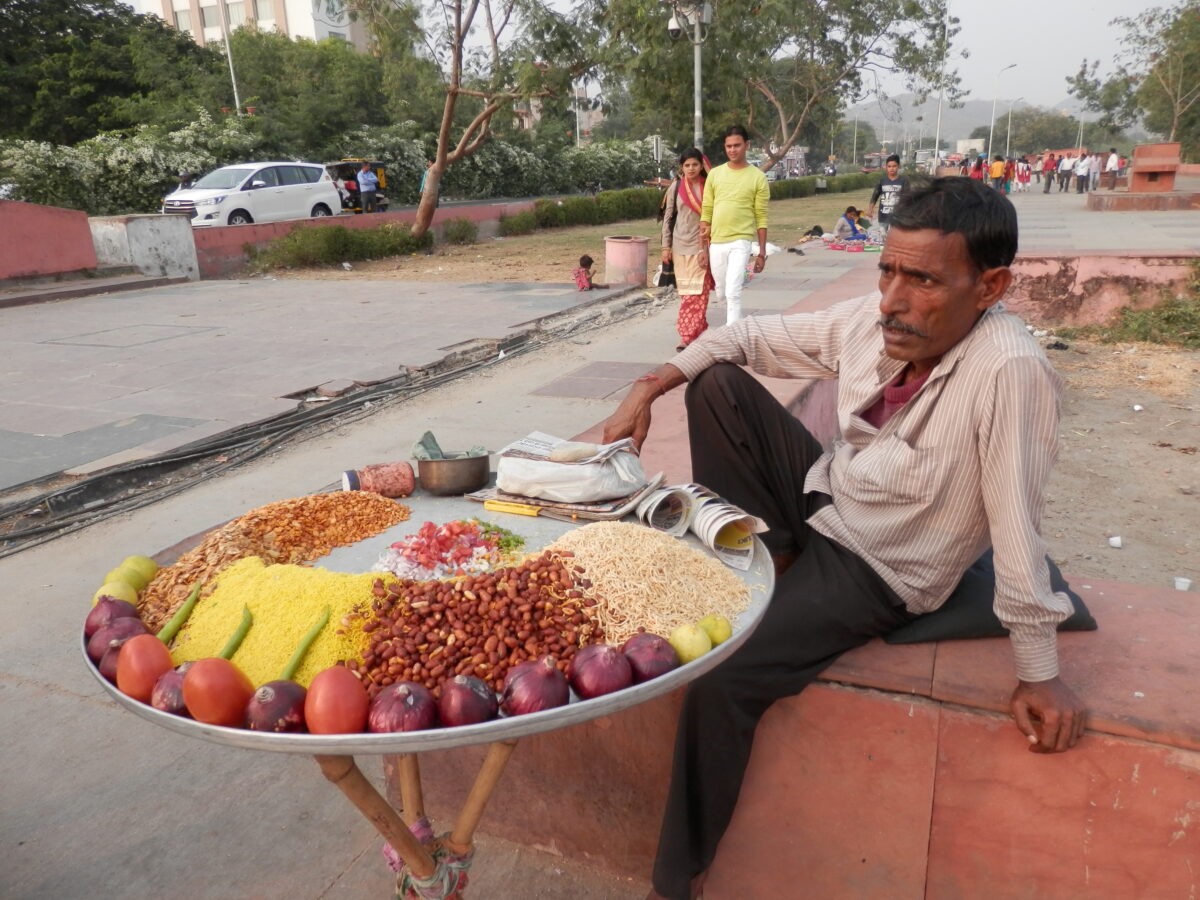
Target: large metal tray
{"x": 537, "y": 531}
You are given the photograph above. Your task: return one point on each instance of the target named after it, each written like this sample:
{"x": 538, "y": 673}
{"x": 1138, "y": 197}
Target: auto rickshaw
{"x": 345, "y": 175}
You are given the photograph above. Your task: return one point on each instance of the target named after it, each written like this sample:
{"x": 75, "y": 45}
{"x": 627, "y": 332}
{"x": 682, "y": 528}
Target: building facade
{"x": 207, "y": 20}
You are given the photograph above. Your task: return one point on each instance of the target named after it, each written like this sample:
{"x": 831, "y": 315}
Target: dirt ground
{"x": 1123, "y": 471}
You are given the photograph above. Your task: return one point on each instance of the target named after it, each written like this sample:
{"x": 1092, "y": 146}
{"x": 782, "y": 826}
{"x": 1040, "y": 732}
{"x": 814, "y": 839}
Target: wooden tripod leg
{"x": 411, "y": 798}
{"x": 344, "y": 773}
{"x": 485, "y": 783}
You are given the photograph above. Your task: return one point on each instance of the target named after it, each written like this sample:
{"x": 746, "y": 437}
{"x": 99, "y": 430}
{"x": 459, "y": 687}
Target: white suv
{"x": 257, "y": 192}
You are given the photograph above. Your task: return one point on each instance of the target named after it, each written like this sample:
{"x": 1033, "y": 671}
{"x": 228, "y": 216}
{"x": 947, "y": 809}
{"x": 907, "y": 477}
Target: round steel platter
{"x": 537, "y": 531}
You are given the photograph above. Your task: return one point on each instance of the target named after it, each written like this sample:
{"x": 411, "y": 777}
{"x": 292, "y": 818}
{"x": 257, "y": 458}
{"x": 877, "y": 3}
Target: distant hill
{"x": 893, "y": 117}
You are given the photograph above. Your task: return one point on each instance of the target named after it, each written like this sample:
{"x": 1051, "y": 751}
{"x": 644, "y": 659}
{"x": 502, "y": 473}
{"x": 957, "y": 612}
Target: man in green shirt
{"x": 733, "y": 214}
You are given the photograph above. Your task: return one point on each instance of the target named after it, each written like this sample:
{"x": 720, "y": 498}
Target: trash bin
{"x": 625, "y": 260}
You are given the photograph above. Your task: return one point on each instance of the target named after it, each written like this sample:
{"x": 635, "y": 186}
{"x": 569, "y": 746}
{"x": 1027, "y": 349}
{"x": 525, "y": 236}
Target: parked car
{"x": 345, "y": 176}
{"x": 257, "y": 192}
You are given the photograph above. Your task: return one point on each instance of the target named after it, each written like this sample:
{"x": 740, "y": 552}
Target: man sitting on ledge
{"x": 948, "y": 419}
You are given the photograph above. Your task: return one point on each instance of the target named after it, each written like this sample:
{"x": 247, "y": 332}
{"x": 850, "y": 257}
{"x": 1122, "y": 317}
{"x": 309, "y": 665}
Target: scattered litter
{"x": 1040, "y": 333}
{"x": 347, "y": 266}
{"x": 1057, "y": 345}
{"x": 1183, "y": 583}
{"x": 1137, "y": 407}
{"x": 1115, "y": 541}
{"x": 1138, "y": 694}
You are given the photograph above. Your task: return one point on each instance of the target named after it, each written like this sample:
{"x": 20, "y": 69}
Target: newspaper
{"x": 539, "y": 445}
{"x": 601, "y": 510}
{"x": 725, "y": 529}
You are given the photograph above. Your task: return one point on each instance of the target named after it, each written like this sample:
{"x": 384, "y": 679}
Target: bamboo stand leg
{"x": 459, "y": 840}
{"x": 411, "y": 798}
{"x": 342, "y": 771}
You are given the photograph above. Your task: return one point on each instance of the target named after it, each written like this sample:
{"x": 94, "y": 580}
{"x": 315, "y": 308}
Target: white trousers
{"x": 728, "y": 263}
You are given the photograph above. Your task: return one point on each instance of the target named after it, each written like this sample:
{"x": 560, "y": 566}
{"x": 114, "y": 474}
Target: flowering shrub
{"x": 115, "y": 173}
{"x": 130, "y": 172}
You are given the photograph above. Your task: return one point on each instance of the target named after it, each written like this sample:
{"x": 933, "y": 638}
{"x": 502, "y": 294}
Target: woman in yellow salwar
{"x": 682, "y": 247}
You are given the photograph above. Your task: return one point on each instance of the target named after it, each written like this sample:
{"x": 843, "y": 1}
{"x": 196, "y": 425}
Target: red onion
{"x": 532, "y": 687}
{"x": 649, "y": 656}
{"x": 114, "y": 634}
{"x": 277, "y": 706}
{"x": 599, "y": 669}
{"x": 168, "y": 691}
{"x": 106, "y": 609}
{"x": 108, "y": 663}
{"x": 404, "y": 706}
{"x": 466, "y": 700}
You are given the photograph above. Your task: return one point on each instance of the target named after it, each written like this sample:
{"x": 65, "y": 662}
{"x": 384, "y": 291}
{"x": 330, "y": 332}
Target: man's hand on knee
{"x": 1049, "y": 714}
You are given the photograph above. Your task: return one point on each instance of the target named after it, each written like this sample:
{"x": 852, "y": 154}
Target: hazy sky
{"x": 1046, "y": 39}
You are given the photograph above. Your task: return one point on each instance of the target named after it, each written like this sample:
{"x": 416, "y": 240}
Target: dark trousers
{"x": 1049, "y": 181}
{"x": 1064, "y": 180}
{"x": 369, "y": 203}
{"x": 750, "y": 450}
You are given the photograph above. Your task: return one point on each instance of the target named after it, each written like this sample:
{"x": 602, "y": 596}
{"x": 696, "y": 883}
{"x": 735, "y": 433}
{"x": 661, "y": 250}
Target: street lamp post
{"x": 992, "y": 127}
{"x": 1008, "y": 132}
{"x": 937, "y": 132}
{"x": 695, "y": 15}
{"x": 237, "y": 101}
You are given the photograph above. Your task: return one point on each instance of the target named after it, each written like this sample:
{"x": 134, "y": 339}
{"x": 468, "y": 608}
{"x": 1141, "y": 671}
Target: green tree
{"x": 850, "y": 144}
{"x": 305, "y": 93}
{"x": 529, "y": 51}
{"x": 72, "y": 68}
{"x": 1156, "y": 76}
{"x": 780, "y": 67}
{"x": 1035, "y": 129}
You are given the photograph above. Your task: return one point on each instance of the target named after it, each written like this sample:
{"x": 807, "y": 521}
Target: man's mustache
{"x": 896, "y": 325}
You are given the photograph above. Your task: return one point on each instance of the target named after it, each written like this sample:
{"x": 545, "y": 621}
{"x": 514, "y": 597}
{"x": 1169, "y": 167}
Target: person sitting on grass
{"x": 847, "y": 228}
{"x": 583, "y": 275}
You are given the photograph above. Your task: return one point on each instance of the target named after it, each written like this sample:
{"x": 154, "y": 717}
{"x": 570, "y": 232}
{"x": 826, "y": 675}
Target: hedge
{"x": 834, "y": 184}
{"x": 332, "y": 244}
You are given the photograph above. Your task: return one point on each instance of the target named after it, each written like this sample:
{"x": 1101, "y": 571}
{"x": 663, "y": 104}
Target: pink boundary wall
{"x": 43, "y": 240}
{"x": 221, "y": 251}
{"x": 1069, "y": 289}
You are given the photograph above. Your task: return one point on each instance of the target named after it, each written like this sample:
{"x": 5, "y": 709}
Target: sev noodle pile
{"x": 287, "y": 531}
{"x": 642, "y": 577}
{"x": 286, "y": 601}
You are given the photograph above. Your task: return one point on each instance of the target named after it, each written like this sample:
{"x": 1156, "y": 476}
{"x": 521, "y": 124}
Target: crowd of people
{"x": 1015, "y": 174}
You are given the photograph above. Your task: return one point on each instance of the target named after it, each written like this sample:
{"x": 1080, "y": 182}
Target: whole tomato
{"x": 337, "y": 702}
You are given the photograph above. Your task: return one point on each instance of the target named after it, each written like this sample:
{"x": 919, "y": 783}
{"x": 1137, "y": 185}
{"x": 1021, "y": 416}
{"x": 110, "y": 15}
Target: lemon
{"x": 690, "y": 642}
{"x": 118, "y": 590}
{"x": 143, "y": 564}
{"x": 129, "y": 575}
{"x": 718, "y": 628}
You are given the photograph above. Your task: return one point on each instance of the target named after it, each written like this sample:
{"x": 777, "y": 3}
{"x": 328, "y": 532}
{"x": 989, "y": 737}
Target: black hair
{"x": 984, "y": 217}
{"x": 692, "y": 153}
{"x": 739, "y": 131}
{"x": 585, "y": 262}
{"x": 849, "y": 209}
{"x": 895, "y": 157}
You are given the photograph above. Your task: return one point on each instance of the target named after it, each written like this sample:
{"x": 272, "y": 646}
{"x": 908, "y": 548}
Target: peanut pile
{"x": 287, "y": 531}
{"x": 481, "y": 625}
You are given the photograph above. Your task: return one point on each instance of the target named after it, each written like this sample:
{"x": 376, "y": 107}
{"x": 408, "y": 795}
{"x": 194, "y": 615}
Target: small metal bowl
{"x": 455, "y": 475}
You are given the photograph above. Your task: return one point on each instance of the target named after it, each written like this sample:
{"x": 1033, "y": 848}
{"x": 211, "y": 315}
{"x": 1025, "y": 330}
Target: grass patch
{"x": 329, "y": 245}
{"x": 520, "y": 223}
{"x": 1174, "y": 320}
{"x": 460, "y": 231}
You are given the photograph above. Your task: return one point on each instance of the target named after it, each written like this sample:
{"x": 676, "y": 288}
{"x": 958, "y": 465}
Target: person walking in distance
{"x": 733, "y": 214}
{"x": 368, "y": 185}
{"x": 1050, "y": 167}
{"x": 1111, "y": 165}
{"x": 1066, "y": 165}
{"x": 1082, "y": 168}
{"x": 887, "y": 192}
{"x": 681, "y": 245}
{"x": 1095, "y": 167}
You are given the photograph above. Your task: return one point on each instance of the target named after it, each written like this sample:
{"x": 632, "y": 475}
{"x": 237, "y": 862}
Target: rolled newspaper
{"x": 727, "y": 530}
